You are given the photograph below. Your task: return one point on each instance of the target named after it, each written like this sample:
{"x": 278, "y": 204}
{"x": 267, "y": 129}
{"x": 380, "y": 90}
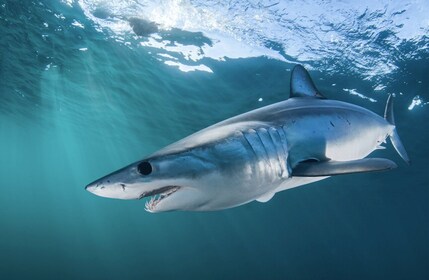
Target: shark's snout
{"x": 90, "y": 188}
{"x": 95, "y": 187}
{"x": 107, "y": 189}
{"x": 114, "y": 186}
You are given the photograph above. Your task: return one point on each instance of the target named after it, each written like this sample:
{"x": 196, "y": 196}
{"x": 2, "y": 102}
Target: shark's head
{"x": 209, "y": 170}
{"x": 174, "y": 182}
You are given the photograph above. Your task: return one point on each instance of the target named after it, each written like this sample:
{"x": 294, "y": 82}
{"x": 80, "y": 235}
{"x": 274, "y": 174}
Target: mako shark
{"x": 252, "y": 156}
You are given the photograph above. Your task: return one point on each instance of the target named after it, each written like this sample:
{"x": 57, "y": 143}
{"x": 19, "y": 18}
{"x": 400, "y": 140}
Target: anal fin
{"x": 332, "y": 168}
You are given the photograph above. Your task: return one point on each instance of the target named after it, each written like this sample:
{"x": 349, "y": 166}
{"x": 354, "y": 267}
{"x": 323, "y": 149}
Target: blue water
{"x": 82, "y": 95}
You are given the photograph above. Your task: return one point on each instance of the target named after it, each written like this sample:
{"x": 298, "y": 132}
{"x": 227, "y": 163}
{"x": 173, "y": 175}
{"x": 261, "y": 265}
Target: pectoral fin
{"x": 331, "y": 168}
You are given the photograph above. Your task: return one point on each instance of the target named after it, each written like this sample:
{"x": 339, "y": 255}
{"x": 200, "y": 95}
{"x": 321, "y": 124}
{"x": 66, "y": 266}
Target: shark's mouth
{"x": 158, "y": 195}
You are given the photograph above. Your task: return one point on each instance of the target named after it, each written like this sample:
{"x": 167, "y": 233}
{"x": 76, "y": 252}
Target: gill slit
{"x": 248, "y": 142}
{"x": 278, "y": 151}
{"x": 267, "y": 156}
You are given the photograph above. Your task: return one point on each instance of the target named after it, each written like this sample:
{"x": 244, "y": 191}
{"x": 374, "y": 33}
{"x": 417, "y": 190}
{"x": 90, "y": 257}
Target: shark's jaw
{"x": 157, "y": 196}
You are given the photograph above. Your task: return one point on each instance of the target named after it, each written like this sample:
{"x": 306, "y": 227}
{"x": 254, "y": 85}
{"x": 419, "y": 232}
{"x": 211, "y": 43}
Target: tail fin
{"x": 394, "y": 137}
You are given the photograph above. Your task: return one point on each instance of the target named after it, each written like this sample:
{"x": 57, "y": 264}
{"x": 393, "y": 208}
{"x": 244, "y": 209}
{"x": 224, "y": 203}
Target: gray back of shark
{"x": 256, "y": 154}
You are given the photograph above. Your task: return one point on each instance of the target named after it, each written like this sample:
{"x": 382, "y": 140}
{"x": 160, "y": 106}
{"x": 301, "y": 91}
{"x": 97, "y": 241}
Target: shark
{"x": 253, "y": 156}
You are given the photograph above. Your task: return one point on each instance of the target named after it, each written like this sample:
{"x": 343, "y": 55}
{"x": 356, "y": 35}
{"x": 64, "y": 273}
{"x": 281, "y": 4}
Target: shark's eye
{"x": 144, "y": 168}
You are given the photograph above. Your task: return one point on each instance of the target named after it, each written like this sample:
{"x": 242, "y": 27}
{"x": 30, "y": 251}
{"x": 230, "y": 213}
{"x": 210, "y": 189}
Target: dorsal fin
{"x": 301, "y": 84}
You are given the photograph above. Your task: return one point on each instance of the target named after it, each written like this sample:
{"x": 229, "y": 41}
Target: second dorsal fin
{"x": 301, "y": 84}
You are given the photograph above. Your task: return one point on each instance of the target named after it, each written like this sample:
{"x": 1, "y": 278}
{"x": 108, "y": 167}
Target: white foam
{"x": 417, "y": 102}
{"x": 68, "y": 2}
{"x": 167, "y": 56}
{"x": 188, "y": 68}
{"x": 77, "y": 24}
{"x": 355, "y": 92}
{"x": 227, "y": 47}
{"x": 379, "y": 87}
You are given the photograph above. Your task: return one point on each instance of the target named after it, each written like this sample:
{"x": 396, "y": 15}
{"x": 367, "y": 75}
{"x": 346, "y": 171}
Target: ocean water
{"x": 90, "y": 86}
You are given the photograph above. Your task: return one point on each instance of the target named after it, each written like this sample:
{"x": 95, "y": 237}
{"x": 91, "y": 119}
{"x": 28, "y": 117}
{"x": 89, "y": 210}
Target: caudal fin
{"x": 394, "y": 137}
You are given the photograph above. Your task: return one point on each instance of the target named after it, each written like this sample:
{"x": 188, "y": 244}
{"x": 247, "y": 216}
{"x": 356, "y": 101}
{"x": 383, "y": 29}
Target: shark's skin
{"x": 254, "y": 155}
